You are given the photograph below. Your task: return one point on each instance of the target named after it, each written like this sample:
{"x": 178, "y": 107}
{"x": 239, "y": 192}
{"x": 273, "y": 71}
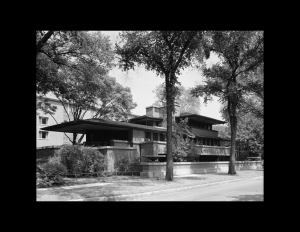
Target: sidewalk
{"x": 122, "y": 188}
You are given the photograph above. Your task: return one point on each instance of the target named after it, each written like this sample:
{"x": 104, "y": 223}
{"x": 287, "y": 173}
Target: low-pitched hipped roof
{"x": 83, "y": 125}
{"x": 143, "y": 117}
{"x": 201, "y": 118}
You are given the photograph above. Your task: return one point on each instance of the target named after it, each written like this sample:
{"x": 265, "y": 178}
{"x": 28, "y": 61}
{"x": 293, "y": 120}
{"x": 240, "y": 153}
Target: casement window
{"x": 43, "y": 120}
{"x": 43, "y": 134}
{"x": 161, "y": 137}
{"x": 148, "y": 136}
{"x": 156, "y": 110}
{"x": 155, "y": 137}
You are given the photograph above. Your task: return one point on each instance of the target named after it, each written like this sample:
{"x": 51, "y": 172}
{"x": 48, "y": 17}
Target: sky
{"x": 142, "y": 83}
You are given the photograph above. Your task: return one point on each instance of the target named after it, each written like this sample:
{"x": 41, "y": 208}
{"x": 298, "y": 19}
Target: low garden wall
{"x": 114, "y": 154}
{"x": 158, "y": 169}
{"x": 45, "y": 152}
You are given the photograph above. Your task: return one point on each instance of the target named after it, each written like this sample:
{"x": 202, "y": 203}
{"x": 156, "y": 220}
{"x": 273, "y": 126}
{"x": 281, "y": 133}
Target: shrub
{"x": 92, "y": 160}
{"x": 50, "y": 173}
{"x": 54, "y": 167}
{"x": 134, "y": 166}
{"x": 71, "y": 157}
{"x": 192, "y": 155}
{"x": 122, "y": 164}
{"x": 79, "y": 159}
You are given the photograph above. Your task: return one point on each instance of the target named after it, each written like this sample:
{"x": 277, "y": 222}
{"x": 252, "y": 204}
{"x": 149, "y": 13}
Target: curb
{"x": 142, "y": 195}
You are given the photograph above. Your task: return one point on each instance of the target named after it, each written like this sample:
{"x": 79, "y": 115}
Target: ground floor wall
{"x": 114, "y": 154}
{"x": 45, "y": 152}
{"x": 156, "y": 169}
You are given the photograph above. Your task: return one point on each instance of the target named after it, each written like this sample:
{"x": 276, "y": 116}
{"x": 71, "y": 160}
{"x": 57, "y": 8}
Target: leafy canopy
{"x": 185, "y": 101}
{"x": 78, "y": 51}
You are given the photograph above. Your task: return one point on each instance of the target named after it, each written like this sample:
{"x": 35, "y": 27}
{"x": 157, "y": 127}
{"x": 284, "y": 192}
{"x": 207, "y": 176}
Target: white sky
{"x": 142, "y": 83}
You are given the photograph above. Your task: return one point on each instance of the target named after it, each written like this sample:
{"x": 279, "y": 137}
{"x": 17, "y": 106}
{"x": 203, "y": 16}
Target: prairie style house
{"x": 144, "y": 136}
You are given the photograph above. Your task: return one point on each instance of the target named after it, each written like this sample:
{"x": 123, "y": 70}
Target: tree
{"x": 183, "y": 146}
{"x": 250, "y": 134}
{"x": 241, "y": 53}
{"x": 166, "y": 53}
{"x": 223, "y": 130}
{"x": 69, "y": 49}
{"x": 186, "y": 102}
{"x": 109, "y": 99}
{"x": 74, "y": 66}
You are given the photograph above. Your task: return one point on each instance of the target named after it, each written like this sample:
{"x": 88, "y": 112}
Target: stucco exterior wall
{"x": 114, "y": 154}
{"x": 152, "y": 148}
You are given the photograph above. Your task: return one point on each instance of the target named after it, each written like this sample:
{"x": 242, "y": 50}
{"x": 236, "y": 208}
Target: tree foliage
{"x": 78, "y": 51}
{"x": 166, "y": 53}
{"x": 241, "y": 54}
{"x": 73, "y": 66}
{"x": 185, "y": 101}
{"x": 183, "y": 146}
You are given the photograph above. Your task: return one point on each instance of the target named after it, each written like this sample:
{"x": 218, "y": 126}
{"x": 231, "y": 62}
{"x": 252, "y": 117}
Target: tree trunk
{"x": 81, "y": 137}
{"x": 233, "y": 122}
{"x": 169, "y": 165}
{"x": 74, "y": 138}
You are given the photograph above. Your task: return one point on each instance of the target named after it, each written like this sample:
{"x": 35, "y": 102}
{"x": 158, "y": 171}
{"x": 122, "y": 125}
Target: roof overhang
{"x": 144, "y": 118}
{"x": 201, "y": 118}
{"x": 82, "y": 126}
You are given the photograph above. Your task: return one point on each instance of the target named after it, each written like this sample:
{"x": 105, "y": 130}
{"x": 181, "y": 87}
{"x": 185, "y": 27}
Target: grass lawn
{"x": 123, "y": 185}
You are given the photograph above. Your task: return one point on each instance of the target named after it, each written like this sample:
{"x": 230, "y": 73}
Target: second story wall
{"x": 203, "y": 132}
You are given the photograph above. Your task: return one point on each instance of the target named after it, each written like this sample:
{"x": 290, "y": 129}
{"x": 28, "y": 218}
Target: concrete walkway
{"x": 74, "y": 186}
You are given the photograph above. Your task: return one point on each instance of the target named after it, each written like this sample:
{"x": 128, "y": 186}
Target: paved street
{"x": 246, "y": 190}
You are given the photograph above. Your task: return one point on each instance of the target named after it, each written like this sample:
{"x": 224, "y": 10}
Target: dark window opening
{"x": 162, "y": 137}
{"x": 155, "y": 137}
{"x": 148, "y": 136}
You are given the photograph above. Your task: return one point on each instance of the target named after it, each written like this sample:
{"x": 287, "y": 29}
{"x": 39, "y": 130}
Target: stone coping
{"x": 49, "y": 147}
{"x": 160, "y": 142}
{"x": 115, "y": 140}
{"x": 115, "y": 148}
{"x": 194, "y": 163}
{"x": 211, "y": 146}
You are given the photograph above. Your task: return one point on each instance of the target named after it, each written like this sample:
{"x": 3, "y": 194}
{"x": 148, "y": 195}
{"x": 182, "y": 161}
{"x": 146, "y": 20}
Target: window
{"x": 156, "y": 110}
{"x": 161, "y": 137}
{"x": 43, "y": 134}
{"x": 155, "y": 137}
{"x": 43, "y": 120}
{"x": 148, "y": 136}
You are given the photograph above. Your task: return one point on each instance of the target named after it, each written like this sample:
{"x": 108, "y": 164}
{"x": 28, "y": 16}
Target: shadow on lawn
{"x": 110, "y": 191}
{"x": 256, "y": 197}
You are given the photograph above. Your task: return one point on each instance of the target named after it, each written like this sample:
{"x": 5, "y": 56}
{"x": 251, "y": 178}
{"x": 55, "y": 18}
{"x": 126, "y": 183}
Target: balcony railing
{"x": 213, "y": 150}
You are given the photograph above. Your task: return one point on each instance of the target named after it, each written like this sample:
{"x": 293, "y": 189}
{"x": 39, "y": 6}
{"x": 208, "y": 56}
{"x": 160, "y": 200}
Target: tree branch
{"x": 40, "y": 44}
{"x": 187, "y": 43}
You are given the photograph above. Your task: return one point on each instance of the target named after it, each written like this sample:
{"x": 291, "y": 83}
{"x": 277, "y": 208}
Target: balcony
{"x": 212, "y": 150}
